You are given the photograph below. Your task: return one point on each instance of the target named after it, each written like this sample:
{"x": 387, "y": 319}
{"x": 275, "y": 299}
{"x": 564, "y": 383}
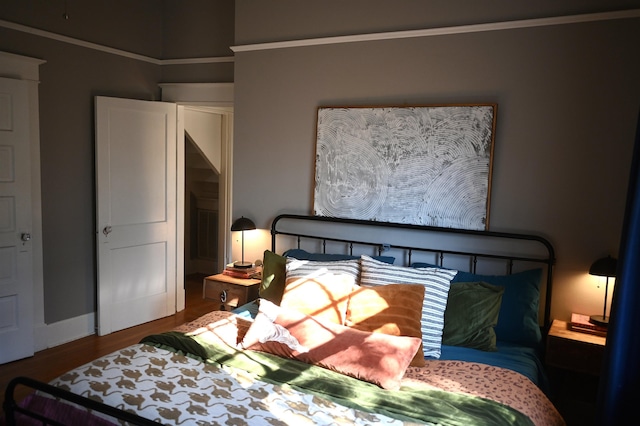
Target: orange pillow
{"x": 394, "y": 309}
{"x": 373, "y": 357}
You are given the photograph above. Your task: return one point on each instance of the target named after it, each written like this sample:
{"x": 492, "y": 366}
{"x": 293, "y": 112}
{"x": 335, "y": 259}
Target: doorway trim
{"x": 28, "y": 69}
{"x": 216, "y": 97}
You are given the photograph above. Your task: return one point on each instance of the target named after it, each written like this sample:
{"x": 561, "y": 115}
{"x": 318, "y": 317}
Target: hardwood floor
{"x": 48, "y": 364}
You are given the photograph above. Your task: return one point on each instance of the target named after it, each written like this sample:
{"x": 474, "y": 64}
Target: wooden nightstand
{"x": 574, "y": 350}
{"x": 574, "y": 360}
{"x": 230, "y": 292}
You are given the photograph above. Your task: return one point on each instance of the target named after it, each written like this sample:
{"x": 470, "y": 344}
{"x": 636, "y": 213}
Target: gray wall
{"x": 70, "y": 79}
{"x": 568, "y": 100}
{"x": 198, "y": 29}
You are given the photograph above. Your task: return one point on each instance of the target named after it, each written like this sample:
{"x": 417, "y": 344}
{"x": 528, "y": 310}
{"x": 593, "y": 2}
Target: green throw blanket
{"x": 410, "y": 403}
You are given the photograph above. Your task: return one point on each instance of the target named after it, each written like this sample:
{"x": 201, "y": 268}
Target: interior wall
{"x": 138, "y": 24}
{"x": 70, "y": 79}
{"x": 567, "y": 95}
{"x": 198, "y": 29}
{"x": 259, "y": 22}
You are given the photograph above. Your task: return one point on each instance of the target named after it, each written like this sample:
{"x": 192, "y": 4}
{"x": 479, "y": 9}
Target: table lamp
{"x": 243, "y": 224}
{"x": 604, "y": 267}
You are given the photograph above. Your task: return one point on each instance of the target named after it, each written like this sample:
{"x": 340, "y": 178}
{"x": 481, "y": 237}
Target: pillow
{"x": 323, "y": 257}
{"x": 377, "y": 358}
{"x": 518, "y": 319}
{"x": 472, "y": 312}
{"x": 273, "y": 277}
{"x": 393, "y": 309}
{"x": 320, "y": 289}
{"x": 436, "y": 283}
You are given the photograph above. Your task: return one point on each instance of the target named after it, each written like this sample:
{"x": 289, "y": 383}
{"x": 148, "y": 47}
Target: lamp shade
{"x": 243, "y": 224}
{"x": 604, "y": 267}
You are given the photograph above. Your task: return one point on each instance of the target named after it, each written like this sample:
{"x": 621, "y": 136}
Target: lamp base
{"x": 242, "y": 264}
{"x": 600, "y": 320}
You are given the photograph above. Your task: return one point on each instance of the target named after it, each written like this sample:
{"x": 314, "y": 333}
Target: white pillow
{"x": 320, "y": 289}
{"x": 436, "y": 282}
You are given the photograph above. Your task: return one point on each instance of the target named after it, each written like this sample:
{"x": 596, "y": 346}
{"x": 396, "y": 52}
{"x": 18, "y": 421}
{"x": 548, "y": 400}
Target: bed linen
{"x": 522, "y": 359}
{"x": 160, "y": 381}
{"x": 471, "y": 378}
{"x": 173, "y": 389}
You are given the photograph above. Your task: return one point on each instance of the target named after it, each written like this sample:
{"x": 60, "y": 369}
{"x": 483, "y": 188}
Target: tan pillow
{"x": 320, "y": 289}
{"x": 373, "y": 357}
{"x": 394, "y": 309}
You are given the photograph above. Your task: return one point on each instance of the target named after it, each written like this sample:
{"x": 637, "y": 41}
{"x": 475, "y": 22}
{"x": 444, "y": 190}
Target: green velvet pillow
{"x": 471, "y": 315}
{"x": 273, "y": 277}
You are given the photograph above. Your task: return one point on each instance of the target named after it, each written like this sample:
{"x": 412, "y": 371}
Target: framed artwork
{"x": 424, "y": 165}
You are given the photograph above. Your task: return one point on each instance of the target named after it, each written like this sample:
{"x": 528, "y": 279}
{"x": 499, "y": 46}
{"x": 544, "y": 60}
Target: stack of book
{"x": 581, "y": 323}
{"x": 245, "y": 273}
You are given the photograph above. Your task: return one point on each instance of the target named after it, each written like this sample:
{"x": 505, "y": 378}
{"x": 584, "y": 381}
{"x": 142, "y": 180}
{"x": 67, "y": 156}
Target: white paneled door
{"x": 16, "y": 275}
{"x": 136, "y": 211}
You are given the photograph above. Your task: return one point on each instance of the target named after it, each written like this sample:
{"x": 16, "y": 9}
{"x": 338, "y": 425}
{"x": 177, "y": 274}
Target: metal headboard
{"x": 315, "y": 228}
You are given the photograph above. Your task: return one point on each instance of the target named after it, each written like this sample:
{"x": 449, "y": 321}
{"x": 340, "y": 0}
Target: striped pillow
{"x": 436, "y": 282}
{"x": 320, "y": 289}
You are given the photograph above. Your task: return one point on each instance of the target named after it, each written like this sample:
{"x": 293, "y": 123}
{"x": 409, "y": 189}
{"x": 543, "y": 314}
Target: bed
{"x": 357, "y": 322}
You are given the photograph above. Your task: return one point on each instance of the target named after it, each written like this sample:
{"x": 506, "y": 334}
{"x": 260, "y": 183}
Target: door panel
{"x": 136, "y": 208}
{"x": 16, "y": 275}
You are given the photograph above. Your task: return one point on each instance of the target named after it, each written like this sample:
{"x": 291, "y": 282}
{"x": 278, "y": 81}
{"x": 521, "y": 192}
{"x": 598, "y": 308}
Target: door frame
{"x": 28, "y": 69}
{"x": 217, "y": 97}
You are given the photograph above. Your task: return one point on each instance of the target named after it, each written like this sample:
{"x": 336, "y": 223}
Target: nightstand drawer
{"x": 573, "y": 350}
{"x": 575, "y": 356}
{"x": 230, "y": 292}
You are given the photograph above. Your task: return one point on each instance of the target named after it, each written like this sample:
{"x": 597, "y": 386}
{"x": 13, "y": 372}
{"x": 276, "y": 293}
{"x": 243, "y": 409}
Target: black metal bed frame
{"x": 548, "y": 259}
{"x": 11, "y": 407}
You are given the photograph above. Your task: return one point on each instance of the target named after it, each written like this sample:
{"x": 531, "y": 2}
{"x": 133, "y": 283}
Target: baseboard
{"x": 58, "y": 333}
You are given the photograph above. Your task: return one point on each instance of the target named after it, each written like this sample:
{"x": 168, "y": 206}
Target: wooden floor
{"x": 48, "y": 364}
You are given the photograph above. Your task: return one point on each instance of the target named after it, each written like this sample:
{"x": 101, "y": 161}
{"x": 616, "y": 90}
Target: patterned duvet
{"x": 175, "y": 389}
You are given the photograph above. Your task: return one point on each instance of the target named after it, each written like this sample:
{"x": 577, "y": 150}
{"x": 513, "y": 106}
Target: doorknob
{"x": 106, "y": 230}
{"x": 25, "y": 237}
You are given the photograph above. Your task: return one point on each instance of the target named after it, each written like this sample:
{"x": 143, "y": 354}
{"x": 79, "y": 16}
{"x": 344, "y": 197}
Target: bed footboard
{"x": 15, "y": 413}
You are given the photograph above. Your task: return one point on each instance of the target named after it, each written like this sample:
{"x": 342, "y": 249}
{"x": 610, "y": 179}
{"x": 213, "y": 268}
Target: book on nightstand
{"x": 581, "y": 323}
{"x": 244, "y": 273}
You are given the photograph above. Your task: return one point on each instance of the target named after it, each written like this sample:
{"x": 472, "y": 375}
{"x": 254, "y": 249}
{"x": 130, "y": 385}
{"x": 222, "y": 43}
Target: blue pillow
{"x": 327, "y": 257}
{"x": 518, "y": 318}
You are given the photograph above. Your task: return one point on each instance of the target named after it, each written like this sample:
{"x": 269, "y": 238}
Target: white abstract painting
{"x": 426, "y": 165}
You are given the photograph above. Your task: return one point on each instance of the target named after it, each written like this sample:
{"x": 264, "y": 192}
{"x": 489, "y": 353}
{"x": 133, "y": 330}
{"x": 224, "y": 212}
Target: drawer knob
{"x": 223, "y": 296}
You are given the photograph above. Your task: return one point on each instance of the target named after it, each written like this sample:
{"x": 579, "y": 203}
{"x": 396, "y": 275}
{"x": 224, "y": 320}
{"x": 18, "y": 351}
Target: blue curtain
{"x": 620, "y": 378}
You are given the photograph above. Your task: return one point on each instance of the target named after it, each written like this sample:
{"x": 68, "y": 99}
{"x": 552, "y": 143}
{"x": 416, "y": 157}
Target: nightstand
{"x": 574, "y": 360}
{"x": 229, "y": 291}
{"x": 574, "y": 350}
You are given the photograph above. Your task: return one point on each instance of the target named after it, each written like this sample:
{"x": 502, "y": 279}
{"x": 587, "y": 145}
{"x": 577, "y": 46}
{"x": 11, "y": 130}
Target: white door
{"x": 136, "y": 211}
{"x": 16, "y": 275}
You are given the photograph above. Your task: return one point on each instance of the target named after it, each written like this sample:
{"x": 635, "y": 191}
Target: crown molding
{"x": 198, "y": 94}
{"x": 431, "y": 32}
{"x": 99, "y": 47}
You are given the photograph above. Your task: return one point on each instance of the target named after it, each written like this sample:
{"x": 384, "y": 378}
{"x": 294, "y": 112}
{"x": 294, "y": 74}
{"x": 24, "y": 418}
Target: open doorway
{"x": 202, "y": 200}
{"x": 208, "y": 130}
{"x": 207, "y": 140}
